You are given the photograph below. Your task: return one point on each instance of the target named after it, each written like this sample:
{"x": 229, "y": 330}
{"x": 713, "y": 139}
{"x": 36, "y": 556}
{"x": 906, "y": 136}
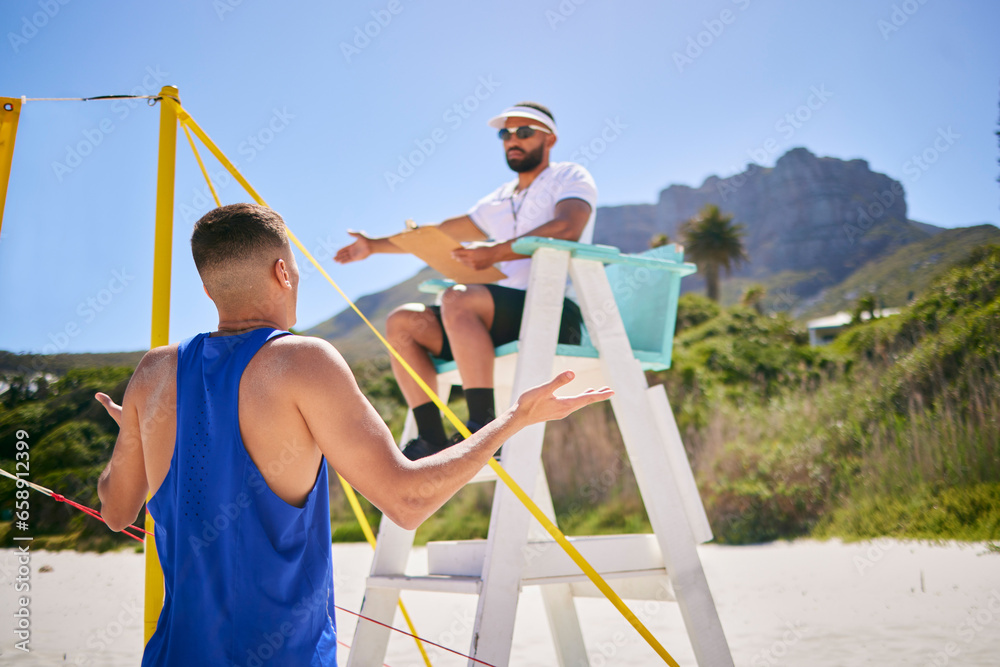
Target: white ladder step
{"x": 434, "y": 583}
{"x": 636, "y": 585}
{"x": 651, "y": 585}
{"x": 545, "y": 561}
{"x": 632, "y": 585}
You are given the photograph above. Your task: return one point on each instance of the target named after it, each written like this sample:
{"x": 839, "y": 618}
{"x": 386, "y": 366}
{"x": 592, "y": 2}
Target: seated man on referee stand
{"x": 555, "y": 200}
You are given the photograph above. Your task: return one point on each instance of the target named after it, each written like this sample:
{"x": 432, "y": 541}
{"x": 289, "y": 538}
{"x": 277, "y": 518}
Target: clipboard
{"x": 435, "y": 247}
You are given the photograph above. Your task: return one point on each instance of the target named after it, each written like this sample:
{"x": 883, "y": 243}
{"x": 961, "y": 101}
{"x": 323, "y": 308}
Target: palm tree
{"x": 711, "y": 241}
{"x": 866, "y": 304}
{"x": 753, "y": 297}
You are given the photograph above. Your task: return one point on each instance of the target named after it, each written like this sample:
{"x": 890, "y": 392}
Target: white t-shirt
{"x": 503, "y": 215}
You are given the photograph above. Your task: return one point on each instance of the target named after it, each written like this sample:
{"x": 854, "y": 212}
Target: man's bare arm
{"x": 358, "y": 444}
{"x": 122, "y": 487}
{"x": 570, "y": 219}
{"x": 461, "y": 229}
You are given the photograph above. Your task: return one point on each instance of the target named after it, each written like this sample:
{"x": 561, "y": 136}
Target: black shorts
{"x": 508, "y": 306}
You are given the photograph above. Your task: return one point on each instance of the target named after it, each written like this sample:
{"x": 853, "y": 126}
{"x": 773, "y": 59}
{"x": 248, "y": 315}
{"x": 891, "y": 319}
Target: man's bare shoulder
{"x": 307, "y": 357}
{"x": 302, "y": 347}
{"x": 157, "y": 366}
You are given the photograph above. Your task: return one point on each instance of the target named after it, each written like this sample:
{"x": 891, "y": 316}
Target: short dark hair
{"x": 235, "y": 233}
{"x": 538, "y": 107}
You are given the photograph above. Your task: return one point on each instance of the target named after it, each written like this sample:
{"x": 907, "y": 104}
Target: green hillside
{"x": 58, "y": 364}
{"x": 352, "y": 337}
{"x": 893, "y": 430}
{"x": 897, "y": 278}
{"x": 71, "y": 438}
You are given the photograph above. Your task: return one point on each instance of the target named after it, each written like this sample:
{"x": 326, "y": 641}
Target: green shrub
{"x": 955, "y": 513}
{"x": 694, "y": 309}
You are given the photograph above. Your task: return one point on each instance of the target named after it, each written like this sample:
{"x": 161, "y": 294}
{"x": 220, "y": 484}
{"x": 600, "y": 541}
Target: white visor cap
{"x": 498, "y": 122}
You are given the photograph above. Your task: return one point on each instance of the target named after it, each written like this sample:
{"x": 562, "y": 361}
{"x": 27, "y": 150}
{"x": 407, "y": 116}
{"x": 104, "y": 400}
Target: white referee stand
{"x": 632, "y": 328}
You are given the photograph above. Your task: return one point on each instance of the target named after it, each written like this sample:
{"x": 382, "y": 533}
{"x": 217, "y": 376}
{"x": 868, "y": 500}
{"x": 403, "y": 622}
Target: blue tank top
{"x": 248, "y": 578}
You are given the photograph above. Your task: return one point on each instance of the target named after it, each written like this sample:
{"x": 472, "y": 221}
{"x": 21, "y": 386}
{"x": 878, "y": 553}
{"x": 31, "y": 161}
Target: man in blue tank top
{"x": 231, "y": 432}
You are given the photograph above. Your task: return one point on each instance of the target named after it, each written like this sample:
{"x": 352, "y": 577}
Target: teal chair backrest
{"x": 645, "y": 286}
{"x": 647, "y": 301}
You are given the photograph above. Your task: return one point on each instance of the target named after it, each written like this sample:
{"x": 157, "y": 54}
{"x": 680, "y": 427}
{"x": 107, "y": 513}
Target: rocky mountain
{"x": 810, "y": 221}
{"x": 351, "y": 335}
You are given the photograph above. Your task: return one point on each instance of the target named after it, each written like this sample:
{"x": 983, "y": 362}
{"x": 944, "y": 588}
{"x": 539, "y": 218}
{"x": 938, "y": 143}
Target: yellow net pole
{"x": 10, "y": 112}
{"x": 201, "y": 165}
{"x": 525, "y": 499}
{"x": 160, "y": 330}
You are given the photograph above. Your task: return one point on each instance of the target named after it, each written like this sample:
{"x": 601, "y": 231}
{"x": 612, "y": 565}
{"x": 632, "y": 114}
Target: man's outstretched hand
{"x": 541, "y": 404}
{"x": 356, "y": 251}
{"x": 113, "y": 408}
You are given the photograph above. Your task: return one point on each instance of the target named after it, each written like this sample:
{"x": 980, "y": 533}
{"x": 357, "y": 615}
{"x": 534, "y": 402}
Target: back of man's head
{"x": 235, "y": 248}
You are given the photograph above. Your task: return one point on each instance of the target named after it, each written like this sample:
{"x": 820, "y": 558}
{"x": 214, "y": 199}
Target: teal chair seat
{"x": 645, "y": 285}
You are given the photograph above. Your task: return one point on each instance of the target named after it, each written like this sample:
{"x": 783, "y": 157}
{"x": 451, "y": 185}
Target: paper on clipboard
{"x": 435, "y": 247}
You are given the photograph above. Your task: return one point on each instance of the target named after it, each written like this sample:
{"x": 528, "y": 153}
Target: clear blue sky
{"x": 335, "y": 123}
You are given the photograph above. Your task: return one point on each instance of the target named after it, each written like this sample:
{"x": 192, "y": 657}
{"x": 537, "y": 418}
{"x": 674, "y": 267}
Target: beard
{"x": 527, "y": 161}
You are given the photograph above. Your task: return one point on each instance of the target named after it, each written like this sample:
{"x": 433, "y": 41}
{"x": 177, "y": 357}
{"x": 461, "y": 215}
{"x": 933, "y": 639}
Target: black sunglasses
{"x": 522, "y": 132}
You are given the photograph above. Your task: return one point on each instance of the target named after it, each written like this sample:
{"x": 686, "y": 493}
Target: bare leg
{"x": 467, "y": 314}
{"x": 415, "y": 333}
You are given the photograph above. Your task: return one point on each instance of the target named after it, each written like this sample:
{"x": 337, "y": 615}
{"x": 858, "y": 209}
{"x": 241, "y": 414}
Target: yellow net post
{"x": 10, "y": 112}
{"x": 160, "y": 335}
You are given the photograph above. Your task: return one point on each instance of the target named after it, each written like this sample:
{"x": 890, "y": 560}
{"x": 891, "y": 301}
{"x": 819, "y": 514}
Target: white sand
{"x": 802, "y": 603}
